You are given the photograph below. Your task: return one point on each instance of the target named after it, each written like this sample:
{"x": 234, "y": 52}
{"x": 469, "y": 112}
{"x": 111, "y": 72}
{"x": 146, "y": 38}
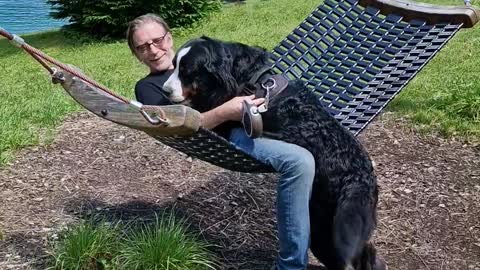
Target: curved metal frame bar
{"x": 468, "y": 16}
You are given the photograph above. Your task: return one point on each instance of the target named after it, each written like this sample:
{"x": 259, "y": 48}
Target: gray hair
{"x": 138, "y": 22}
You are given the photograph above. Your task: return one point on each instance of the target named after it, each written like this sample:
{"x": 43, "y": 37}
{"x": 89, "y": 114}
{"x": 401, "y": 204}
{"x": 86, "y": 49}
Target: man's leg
{"x": 296, "y": 166}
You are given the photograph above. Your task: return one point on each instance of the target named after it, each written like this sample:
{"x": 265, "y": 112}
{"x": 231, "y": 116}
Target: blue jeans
{"x": 296, "y": 166}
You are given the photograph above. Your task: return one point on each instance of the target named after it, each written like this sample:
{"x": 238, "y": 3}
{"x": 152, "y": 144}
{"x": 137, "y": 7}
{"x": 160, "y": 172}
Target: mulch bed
{"x": 428, "y": 214}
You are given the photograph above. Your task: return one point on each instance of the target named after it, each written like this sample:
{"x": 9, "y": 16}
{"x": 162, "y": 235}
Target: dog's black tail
{"x": 354, "y": 223}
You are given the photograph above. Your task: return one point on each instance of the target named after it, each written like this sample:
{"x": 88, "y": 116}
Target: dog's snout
{"x": 173, "y": 87}
{"x": 167, "y": 86}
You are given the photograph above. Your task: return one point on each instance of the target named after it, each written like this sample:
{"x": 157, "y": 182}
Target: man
{"x": 150, "y": 40}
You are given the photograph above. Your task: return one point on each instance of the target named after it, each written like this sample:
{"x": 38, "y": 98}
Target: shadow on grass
{"x": 234, "y": 213}
{"x": 230, "y": 214}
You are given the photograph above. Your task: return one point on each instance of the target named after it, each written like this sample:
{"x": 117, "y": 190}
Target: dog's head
{"x": 209, "y": 72}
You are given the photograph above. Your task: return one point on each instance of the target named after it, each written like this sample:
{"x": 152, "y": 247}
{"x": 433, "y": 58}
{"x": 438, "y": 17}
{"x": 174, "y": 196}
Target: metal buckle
{"x": 57, "y": 76}
{"x": 154, "y": 120}
{"x": 269, "y": 87}
{"x": 264, "y": 107}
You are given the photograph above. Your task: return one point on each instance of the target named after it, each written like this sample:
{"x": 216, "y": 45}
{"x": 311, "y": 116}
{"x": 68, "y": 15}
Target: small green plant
{"x": 86, "y": 246}
{"x": 164, "y": 245}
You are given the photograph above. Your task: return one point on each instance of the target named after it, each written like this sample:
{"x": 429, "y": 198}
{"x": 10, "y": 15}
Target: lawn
{"x": 444, "y": 97}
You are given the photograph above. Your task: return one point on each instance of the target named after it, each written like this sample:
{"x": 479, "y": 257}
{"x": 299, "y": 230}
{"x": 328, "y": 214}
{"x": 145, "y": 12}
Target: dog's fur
{"x": 344, "y": 198}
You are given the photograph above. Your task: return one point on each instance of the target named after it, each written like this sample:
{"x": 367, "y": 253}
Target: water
{"x": 26, "y": 16}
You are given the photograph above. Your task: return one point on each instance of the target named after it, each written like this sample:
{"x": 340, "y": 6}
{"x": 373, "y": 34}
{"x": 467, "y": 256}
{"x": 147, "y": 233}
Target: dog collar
{"x": 270, "y": 86}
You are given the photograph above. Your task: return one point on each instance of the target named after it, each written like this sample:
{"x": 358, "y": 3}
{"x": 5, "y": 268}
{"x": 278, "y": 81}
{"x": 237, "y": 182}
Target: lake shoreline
{"x": 23, "y": 17}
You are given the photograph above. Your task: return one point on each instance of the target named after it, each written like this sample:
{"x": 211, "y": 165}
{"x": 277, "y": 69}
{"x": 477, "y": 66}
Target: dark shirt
{"x": 149, "y": 91}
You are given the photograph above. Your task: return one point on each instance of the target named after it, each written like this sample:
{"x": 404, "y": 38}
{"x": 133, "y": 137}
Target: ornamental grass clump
{"x": 86, "y": 246}
{"x": 164, "y": 244}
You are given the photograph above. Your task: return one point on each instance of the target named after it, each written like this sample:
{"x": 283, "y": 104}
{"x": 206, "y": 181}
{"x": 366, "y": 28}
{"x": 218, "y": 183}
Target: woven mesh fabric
{"x": 357, "y": 59}
{"x": 208, "y": 146}
{"x": 354, "y": 58}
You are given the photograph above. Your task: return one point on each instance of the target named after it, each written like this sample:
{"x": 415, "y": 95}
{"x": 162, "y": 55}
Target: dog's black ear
{"x": 247, "y": 61}
{"x": 220, "y": 66}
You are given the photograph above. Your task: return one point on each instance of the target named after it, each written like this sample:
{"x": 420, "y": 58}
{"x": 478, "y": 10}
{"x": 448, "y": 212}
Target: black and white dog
{"x": 343, "y": 205}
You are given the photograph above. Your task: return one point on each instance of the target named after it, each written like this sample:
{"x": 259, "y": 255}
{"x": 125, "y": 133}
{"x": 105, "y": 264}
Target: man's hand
{"x": 228, "y": 111}
{"x": 232, "y": 109}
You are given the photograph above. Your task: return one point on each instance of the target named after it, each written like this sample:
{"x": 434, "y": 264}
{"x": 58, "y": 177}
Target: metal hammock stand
{"x": 356, "y": 55}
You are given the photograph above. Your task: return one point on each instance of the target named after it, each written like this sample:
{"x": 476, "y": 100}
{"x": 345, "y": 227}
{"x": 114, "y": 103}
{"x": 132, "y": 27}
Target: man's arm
{"x": 150, "y": 94}
{"x": 228, "y": 111}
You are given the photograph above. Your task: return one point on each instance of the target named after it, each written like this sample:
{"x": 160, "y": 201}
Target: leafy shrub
{"x": 110, "y": 18}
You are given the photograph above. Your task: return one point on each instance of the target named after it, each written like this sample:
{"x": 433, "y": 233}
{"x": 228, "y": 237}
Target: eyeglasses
{"x": 159, "y": 43}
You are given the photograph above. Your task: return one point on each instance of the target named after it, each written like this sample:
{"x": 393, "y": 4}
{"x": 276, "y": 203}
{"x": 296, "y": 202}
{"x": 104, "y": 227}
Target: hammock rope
{"x": 43, "y": 58}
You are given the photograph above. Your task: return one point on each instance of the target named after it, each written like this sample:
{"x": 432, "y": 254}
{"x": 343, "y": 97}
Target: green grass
{"x": 163, "y": 244}
{"x": 444, "y": 97}
{"x": 86, "y": 246}
{"x": 31, "y": 106}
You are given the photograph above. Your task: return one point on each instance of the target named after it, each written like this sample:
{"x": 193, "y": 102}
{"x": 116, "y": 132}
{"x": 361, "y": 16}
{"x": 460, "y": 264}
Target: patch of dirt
{"x": 428, "y": 213}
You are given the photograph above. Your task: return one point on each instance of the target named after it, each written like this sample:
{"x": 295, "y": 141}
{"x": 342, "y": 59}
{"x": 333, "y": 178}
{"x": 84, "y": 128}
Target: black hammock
{"x": 355, "y": 55}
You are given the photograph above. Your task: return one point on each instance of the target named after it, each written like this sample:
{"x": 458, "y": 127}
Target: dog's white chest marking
{"x": 173, "y": 86}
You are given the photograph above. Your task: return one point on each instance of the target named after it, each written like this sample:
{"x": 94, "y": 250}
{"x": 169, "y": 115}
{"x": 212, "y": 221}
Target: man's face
{"x": 153, "y": 46}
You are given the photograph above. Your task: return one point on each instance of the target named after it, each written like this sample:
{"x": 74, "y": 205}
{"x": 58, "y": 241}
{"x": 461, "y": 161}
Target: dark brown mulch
{"x": 428, "y": 213}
